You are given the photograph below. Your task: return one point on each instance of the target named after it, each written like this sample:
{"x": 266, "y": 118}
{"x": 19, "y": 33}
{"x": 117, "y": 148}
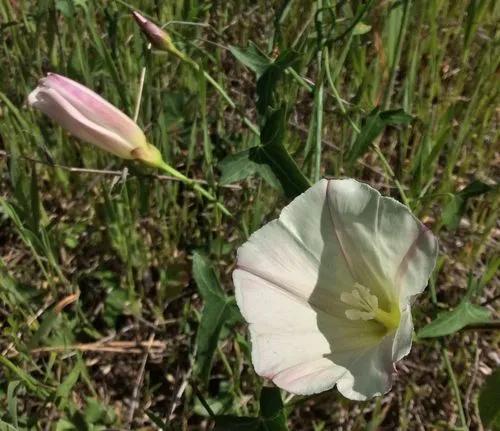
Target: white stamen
{"x": 365, "y": 304}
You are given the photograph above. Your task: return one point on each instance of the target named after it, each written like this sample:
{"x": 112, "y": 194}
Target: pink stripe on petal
{"x": 51, "y": 103}
{"x": 309, "y": 378}
{"x": 95, "y": 108}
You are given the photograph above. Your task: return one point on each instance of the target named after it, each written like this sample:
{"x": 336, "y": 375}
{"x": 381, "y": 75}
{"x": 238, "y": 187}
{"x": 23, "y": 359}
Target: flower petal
{"x": 299, "y": 252}
{"x": 403, "y": 337}
{"x": 292, "y": 340}
{"x": 95, "y": 108}
{"x": 51, "y": 103}
{"x": 369, "y": 371}
{"x": 380, "y": 235}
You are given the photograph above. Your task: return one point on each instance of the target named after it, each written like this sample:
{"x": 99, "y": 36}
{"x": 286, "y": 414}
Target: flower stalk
{"x": 169, "y": 170}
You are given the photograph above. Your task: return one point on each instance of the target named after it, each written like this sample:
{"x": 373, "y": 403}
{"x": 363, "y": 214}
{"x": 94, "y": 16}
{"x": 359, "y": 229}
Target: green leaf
{"x": 64, "y": 424}
{"x": 271, "y": 409}
{"x": 267, "y": 83}
{"x": 219, "y": 310}
{"x": 12, "y": 400}
{"x": 35, "y": 201}
{"x": 489, "y": 401}
{"x": 114, "y": 305}
{"x": 4, "y": 426}
{"x": 453, "y": 211}
{"x": 49, "y": 321}
{"x": 157, "y": 421}
{"x": 457, "y": 204}
{"x": 452, "y": 321}
{"x": 274, "y": 153}
{"x": 252, "y": 58}
{"x": 31, "y": 383}
{"x": 395, "y": 117}
{"x": 271, "y": 160}
{"x": 65, "y": 388}
{"x": 475, "y": 188}
{"x": 374, "y": 125}
{"x": 251, "y": 161}
{"x": 94, "y": 411}
{"x": 235, "y": 423}
{"x": 271, "y": 417}
{"x": 18, "y": 294}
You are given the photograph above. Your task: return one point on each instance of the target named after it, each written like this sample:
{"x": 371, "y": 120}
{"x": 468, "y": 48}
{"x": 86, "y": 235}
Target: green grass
{"x": 124, "y": 240}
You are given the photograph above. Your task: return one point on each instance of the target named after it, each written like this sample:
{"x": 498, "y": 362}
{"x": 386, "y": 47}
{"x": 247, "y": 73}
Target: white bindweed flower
{"x": 327, "y": 288}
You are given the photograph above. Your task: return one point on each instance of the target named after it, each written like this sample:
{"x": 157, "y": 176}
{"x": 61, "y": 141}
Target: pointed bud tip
{"x": 139, "y": 18}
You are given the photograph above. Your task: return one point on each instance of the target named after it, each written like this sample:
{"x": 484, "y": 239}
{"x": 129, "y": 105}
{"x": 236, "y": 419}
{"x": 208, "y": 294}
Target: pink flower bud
{"x": 159, "y": 38}
{"x": 89, "y": 117}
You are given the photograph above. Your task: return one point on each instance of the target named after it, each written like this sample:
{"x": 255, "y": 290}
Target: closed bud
{"x": 158, "y": 37}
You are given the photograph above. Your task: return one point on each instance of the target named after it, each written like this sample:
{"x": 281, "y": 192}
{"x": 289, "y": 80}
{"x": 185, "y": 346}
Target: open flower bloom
{"x": 327, "y": 288}
{"x": 89, "y": 117}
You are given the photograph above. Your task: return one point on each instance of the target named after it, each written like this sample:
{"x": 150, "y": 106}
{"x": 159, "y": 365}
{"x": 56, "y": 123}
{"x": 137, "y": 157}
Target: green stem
{"x": 165, "y": 167}
{"x": 390, "y": 173}
{"x": 203, "y": 402}
{"x": 223, "y": 93}
{"x": 336, "y": 93}
{"x": 301, "y": 81}
{"x": 456, "y": 389}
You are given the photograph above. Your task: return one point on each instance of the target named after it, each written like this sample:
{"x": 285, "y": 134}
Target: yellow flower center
{"x": 366, "y": 307}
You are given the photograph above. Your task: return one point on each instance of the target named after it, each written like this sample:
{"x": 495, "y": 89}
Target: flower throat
{"x": 366, "y": 307}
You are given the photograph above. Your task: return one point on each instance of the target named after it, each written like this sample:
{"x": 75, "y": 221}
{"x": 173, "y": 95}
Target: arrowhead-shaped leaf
{"x": 251, "y": 161}
{"x": 271, "y": 160}
{"x": 219, "y": 310}
{"x": 452, "y": 321}
{"x": 252, "y": 58}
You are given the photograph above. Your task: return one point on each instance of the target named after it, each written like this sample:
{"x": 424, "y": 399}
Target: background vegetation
{"x": 109, "y": 322}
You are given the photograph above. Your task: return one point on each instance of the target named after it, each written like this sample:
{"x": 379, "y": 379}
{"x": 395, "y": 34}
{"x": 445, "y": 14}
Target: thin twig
{"x": 132, "y": 347}
{"x": 138, "y": 382}
{"x": 139, "y": 94}
{"x": 107, "y": 172}
{"x": 182, "y": 387}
